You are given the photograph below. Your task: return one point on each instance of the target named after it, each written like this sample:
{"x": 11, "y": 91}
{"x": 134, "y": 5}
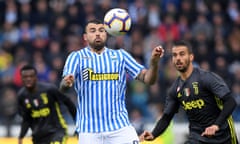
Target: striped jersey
{"x": 100, "y": 84}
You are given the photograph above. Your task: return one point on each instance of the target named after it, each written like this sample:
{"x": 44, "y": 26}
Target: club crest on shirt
{"x": 86, "y": 57}
{"x": 195, "y": 87}
{"x": 113, "y": 57}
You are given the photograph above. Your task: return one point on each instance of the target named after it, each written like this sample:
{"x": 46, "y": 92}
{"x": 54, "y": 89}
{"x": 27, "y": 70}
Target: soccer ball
{"x": 117, "y": 22}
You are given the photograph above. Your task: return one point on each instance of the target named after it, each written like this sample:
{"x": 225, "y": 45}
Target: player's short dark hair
{"x": 184, "y": 43}
{"x": 28, "y": 67}
{"x": 94, "y": 21}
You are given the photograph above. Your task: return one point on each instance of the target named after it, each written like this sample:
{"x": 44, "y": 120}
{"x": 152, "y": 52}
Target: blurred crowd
{"x": 44, "y": 32}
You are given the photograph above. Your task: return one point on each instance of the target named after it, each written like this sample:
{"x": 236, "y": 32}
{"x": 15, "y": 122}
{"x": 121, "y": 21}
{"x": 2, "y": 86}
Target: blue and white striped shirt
{"x": 100, "y": 83}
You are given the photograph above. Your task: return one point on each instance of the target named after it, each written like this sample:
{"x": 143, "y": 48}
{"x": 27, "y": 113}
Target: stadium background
{"x": 44, "y": 32}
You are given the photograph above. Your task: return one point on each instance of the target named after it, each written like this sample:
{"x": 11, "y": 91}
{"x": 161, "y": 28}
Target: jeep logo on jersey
{"x": 88, "y": 74}
{"x": 199, "y": 103}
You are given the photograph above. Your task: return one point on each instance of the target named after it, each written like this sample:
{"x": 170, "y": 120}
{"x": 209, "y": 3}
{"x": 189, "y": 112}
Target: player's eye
{"x": 92, "y": 30}
{"x": 182, "y": 53}
{"x": 173, "y": 54}
{"x": 102, "y": 30}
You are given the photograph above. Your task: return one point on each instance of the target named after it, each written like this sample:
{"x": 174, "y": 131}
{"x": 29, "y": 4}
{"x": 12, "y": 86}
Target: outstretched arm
{"x": 61, "y": 97}
{"x": 66, "y": 83}
{"x": 25, "y": 121}
{"x": 161, "y": 126}
{"x": 149, "y": 76}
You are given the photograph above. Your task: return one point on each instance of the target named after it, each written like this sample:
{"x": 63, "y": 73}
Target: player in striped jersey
{"x": 98, "y": 74}
{"x": 205, "y": 98}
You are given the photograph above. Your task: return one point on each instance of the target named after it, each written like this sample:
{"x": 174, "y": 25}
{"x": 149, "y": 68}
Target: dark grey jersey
{"x": 201, "y": 96}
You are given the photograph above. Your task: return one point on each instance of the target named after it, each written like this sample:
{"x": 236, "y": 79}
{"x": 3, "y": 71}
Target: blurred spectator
{"x": 153, "y": 16}
{"x": 220, "y": 69}
{"x": 233, "y": 10}
{"x": 150, "y": 41}
{"x": 236, "y": 94}
{"x": 8, "y": 108}
{"x": 76, "y": 19}
{"x": 41, "y": 12}
{"x": 137, "y": 120}
{"x": 17, "y": 81}
{"x": 6, "y": 68}
{"x": 11, "y": 12}
{"x": 25, "y": 31}
{"x": 138, "y": 11}
{"x": 220, "y": 28}
{"x": 168, "y": 30}
{"x": 59, "y": 29}
{"x": 139, "y": 97}
{"x": 103, "y": 6}
{"x": 234, "y": 44}
{"x": 184, "y": 25}
{"x": 203, "y": 26}
{"x": 25, "y": 12}
{"x": 120, "y": 42}
{"x": 10, "y": 33}
{"x": 187, "y": 8}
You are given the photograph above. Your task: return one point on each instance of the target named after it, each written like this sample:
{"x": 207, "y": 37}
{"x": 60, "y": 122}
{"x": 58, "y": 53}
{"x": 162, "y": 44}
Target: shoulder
{"x": 21, "y": 92}
{"x": 78, "y": 52}
{"x": 118, "y": 52}
{"x": 205, "y": 73}
{"x": 46, "y": 86}
{"x": 173, "y": 88}
{"x": 207, "y": 77}
{"x": 201, "y": 73}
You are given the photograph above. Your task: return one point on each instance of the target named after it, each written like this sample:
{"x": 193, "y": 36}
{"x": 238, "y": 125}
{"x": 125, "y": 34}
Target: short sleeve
{"x": 71, "y": 64}
{"x": 132, "y": 66}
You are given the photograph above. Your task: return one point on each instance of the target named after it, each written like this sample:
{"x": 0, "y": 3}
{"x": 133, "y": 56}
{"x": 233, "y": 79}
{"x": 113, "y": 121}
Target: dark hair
{"x": 29, "y": 67}
{"x": 184, "y": 43}
{"x": 94, "y": 21}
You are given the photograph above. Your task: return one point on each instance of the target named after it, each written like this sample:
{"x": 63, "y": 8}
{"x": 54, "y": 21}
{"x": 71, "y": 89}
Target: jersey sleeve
{"x": 62, "y": 98}
{"x": 172, "y": 104}
{"x": 132, "y": 66}
{"x": 71, "y": 64}
{"x": 215, "y": 84}
{"x": 25, "y": 118}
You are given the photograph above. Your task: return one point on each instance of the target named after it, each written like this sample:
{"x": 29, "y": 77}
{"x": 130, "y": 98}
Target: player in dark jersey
{"x": 39, "y": 105}
{"x": 204, "y": 96}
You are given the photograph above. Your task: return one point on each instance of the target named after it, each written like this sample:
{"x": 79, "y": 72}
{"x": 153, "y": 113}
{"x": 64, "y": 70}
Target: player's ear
{"x": 191, "y": 57}
{"x": 84, "y": 36}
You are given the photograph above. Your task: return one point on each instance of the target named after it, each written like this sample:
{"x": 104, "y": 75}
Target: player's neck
{"x": 98, "y": 51}
{"x": 32, "y": 89}
{"x": 185, "y": 75}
